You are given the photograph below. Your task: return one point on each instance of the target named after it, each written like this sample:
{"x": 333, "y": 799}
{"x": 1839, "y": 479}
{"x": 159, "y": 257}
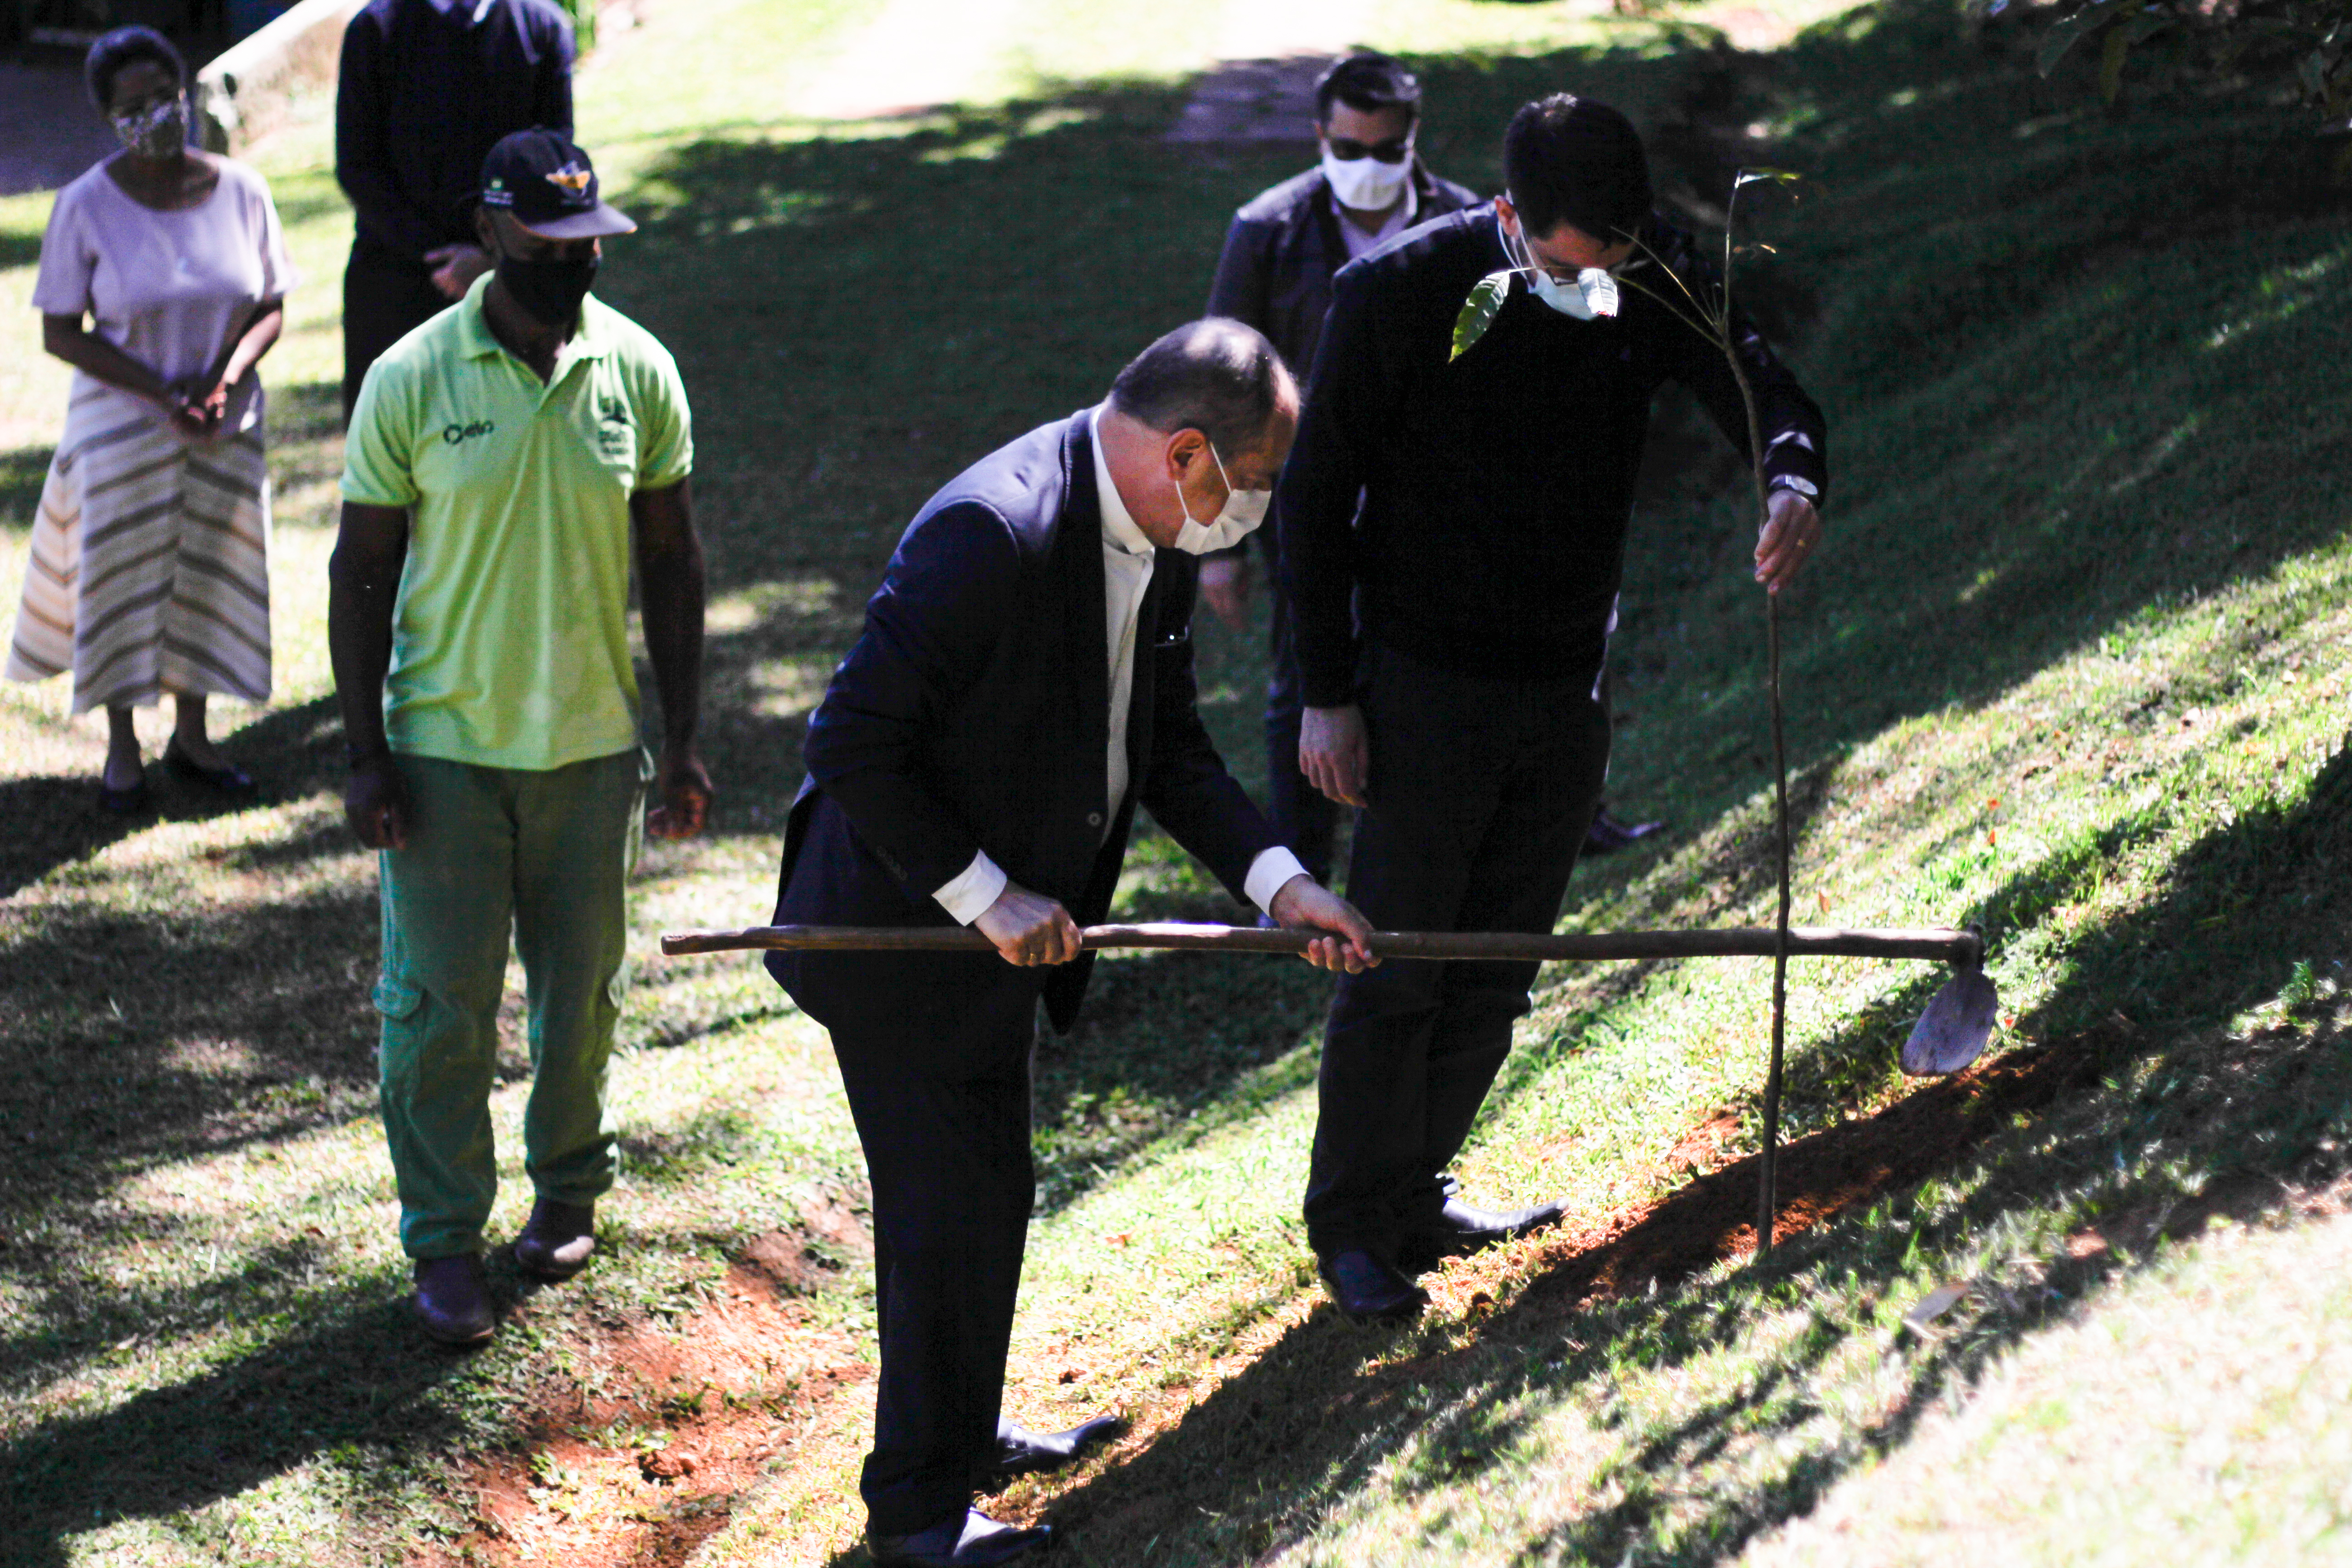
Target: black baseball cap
{"x": 548, "y": 186}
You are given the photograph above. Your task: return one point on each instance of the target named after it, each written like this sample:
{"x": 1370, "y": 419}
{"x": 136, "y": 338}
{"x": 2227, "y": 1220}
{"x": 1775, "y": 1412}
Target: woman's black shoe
{"x": 228, "y": 779}
{"x": 123, "y": 802}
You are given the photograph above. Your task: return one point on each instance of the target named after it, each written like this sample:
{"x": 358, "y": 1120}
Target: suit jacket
{"x": 973, "y": 713}
{"x": 1274, "y": 274}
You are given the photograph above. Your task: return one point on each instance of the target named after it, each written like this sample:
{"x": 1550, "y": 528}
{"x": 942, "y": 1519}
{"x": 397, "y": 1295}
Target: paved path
{"x": 48, "y": 132}
{"x": 1261, "y": 58}
{"x": 1254, "y": 101}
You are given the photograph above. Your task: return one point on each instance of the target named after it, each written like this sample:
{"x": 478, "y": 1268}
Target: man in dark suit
{"x": 426, "y": 89}
{"x": 1281, "y": 251}
{"x": 1023, "y": 682}
{"x": 1454, "y": 532}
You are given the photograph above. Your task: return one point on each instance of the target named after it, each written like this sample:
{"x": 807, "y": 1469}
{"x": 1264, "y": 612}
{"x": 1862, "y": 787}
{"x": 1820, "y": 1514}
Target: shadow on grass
{"x": 1305, "y": 1426}
{"x": 55, "y": 822}
{"x": 167, "y": 1037}
{"x": 358, "y": 1375}
{"x": 1162, "y": 1043}
{"x": 22, "y": 473}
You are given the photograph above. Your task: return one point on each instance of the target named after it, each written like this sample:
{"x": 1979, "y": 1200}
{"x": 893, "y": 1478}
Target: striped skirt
{"x": 150, "y": 568}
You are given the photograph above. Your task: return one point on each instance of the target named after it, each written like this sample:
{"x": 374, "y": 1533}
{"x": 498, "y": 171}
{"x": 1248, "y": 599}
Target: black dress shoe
{"x": 1367, "y": 1291}
{"x": 971, "y": 1541}
{"x": 226, "y": 779}
{"x": 453, "y": 1299}
{"x": 1463, "y": 1230}
{"x": 558, "y": 1240}
{"x": 1021, "y": 1452}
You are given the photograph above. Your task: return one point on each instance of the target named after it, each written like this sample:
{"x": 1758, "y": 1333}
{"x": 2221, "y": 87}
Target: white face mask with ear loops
{"x": 1242, "y": 512}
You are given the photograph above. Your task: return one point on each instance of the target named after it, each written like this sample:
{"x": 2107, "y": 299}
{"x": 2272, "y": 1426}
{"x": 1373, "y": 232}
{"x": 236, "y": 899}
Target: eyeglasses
{"x": 1396, "y": 150}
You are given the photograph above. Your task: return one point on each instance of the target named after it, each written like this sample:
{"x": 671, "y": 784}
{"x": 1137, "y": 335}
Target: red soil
{"x": 1817, "y": 1177}
{"x": 730, "y": 1385}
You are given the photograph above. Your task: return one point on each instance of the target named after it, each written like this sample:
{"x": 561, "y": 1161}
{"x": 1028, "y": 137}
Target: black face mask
{"x": 548, "y": 291}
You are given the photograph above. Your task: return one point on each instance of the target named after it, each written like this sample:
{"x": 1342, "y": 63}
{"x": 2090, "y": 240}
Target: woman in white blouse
{"x": 150, "y": 568}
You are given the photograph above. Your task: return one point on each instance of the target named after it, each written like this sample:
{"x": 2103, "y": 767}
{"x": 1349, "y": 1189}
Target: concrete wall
{"x": 244, "y": 94}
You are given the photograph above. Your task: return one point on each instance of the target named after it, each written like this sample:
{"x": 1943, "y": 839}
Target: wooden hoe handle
{"x": 1965, "y": 948}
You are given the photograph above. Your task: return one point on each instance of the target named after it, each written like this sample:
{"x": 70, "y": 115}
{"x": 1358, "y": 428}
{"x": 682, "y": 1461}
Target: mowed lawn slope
{"x": 2067, "y": 668}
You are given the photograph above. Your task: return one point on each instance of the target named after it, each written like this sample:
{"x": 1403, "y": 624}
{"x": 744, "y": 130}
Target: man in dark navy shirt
{"x": 427, "y": 88}
{"x": 1281, "y": 253}
{"x": 1454, "y": 534}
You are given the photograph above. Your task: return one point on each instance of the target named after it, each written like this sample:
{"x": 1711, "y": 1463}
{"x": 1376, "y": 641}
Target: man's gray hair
{"x": 1215, "y": 375}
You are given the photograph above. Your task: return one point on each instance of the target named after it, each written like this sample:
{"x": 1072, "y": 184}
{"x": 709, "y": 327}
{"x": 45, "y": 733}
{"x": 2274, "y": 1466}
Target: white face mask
{"x": 1242, "y": 512}
{"x": 1594, "y": 293}
{"x": 1366, "y": 183}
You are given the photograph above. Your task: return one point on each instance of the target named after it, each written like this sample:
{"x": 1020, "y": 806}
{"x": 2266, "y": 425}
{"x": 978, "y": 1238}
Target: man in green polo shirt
{"x": 502, "y": 459}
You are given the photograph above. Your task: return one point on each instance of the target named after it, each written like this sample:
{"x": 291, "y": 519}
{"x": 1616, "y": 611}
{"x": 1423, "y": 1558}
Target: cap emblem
{"x": 570, "y": 178}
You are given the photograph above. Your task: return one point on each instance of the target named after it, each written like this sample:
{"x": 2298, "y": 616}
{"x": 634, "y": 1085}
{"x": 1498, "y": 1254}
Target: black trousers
{"x": 386, "y": 296}
{"x": 945, "y": 1125}
{"x": 1303, "y": 817}
{"x": 1480, "y": 794}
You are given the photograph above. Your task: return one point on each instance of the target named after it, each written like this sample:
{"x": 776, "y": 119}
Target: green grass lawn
{"x": 2067, "y": 668}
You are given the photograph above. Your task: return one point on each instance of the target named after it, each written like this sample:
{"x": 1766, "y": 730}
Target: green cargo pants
{"x": 544, "y": 856}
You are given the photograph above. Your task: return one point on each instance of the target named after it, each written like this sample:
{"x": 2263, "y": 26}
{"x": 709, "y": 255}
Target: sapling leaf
{"x": 1478, "y": 311}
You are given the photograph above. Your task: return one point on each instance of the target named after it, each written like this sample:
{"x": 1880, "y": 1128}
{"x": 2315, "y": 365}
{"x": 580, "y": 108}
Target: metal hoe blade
{"x": 1952, "y": 1031}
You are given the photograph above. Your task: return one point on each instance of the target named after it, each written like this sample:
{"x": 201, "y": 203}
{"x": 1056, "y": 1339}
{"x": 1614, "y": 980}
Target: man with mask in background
{"x": 500, "y": 460}
{"x": 1454, "y": 532}
{"x": 425, "y": 89}
{"x": 1022, "y": 684}
{"x": 1280, "y": 254}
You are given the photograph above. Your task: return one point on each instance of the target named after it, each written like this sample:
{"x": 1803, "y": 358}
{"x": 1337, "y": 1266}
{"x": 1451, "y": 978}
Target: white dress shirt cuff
{"x": 974, "y": 889}
{"x": 1267, "y": 873}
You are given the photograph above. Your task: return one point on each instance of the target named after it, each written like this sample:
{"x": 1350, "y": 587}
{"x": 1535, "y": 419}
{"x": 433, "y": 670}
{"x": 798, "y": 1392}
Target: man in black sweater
{"x": 1281, "y": 253}
{"x": 1452, "y": 535}
{"x": 426, "y": 88}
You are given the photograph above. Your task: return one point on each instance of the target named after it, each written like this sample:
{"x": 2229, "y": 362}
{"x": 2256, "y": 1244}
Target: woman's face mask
{"x": 1242, "y": 512}
{"x": 157, "y": 130}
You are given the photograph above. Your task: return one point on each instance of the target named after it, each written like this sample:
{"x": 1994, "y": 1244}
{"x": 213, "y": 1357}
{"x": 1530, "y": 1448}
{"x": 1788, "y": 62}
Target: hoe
{"x": 1947, "y": 1037}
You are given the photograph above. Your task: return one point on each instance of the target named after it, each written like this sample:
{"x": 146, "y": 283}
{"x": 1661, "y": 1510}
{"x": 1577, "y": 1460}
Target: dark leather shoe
{"x": 1463, "y": 1230}
{"x": 1606, "y": 835}
{"x": 1021, "y": 1452}
{"x": 558, "y": 1240}
{"x": 1367, "y": 1291}
{"x": 971, "y": 1541}
{"x": 453, "y": 1299}
{"x": 228, "y": 779}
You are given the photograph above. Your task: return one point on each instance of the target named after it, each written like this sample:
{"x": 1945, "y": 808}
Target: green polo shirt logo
{"x": 510, "y": 641}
